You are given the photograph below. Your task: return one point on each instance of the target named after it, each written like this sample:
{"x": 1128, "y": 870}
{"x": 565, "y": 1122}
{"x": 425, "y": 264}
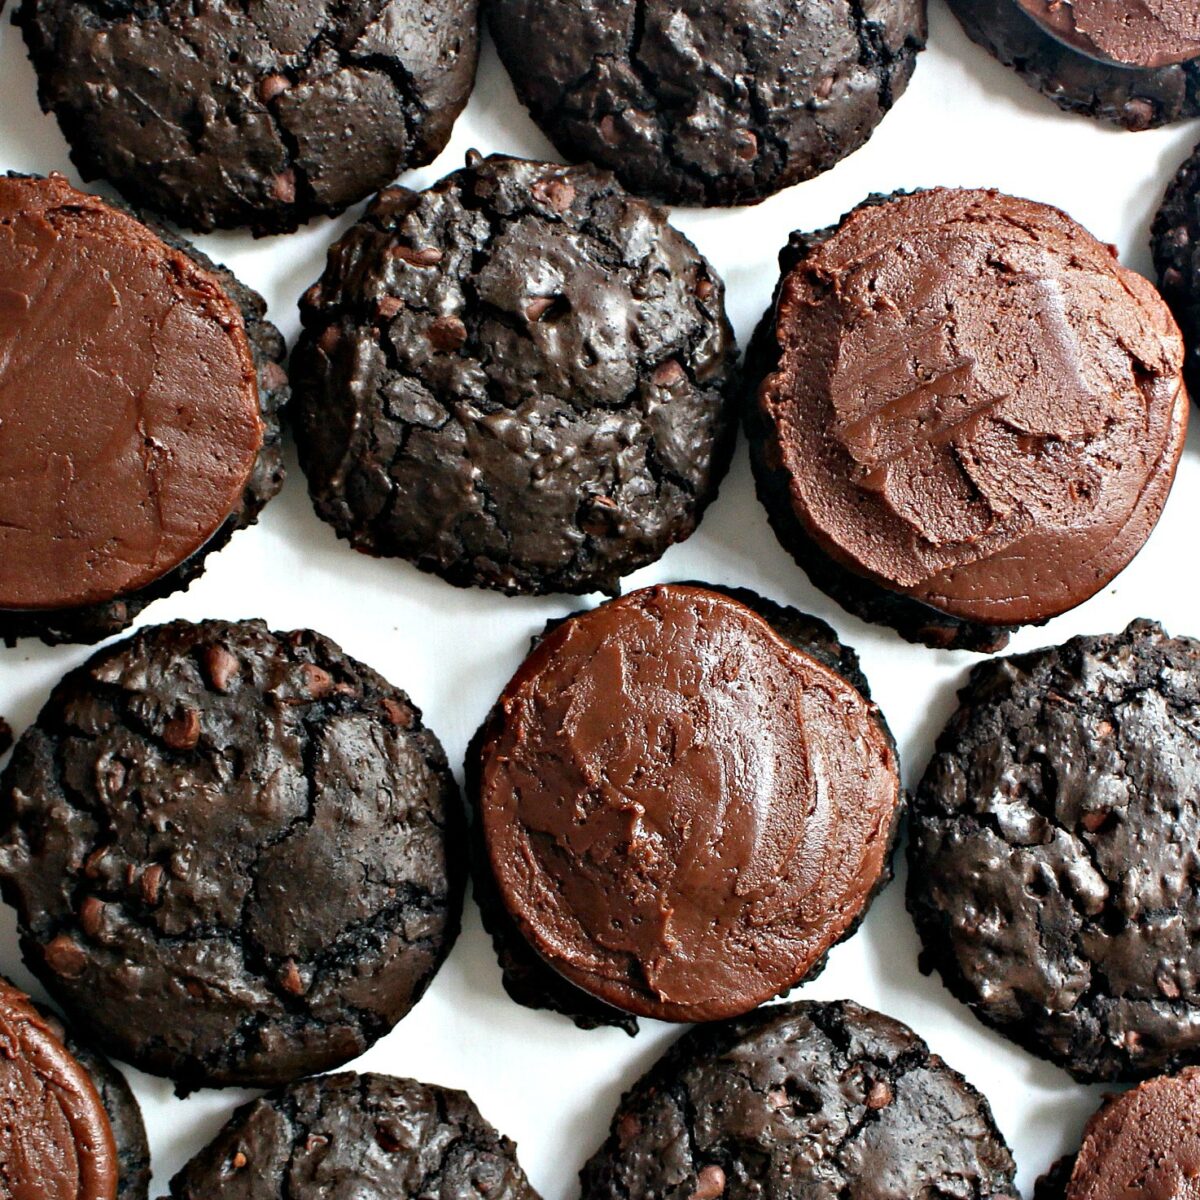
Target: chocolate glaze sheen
{"x": 683, "y": 811}
{"x": 1149, "y": 34}
{"x": 55, "y": 1141}
{"x": 973, "y": 404}
{"x": 101, "y": 320}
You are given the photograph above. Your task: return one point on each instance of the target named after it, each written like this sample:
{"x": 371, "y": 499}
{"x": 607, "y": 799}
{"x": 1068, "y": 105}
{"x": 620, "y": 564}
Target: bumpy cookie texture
{"x": 1145, "y": 1143}
{"x": 1052, "y": 868}
{"x": 253, "y": 113}
{"x": 49, "y": 216}
{"x": 55, "y": 1139}
{"x": 124, "y": 1114}
{"x": 521, "y": 379}
{"x": 1176, "y": 244}
{"x": 683, "y": 812}
{"x": 966, "y": 414}
{"x": 235, "y": 855}
{"x": 370, "y": 1137}
{"x": 1136, "y": 66}
{"x": 822, "y": 1101}
{"x": 528, "y": 978}
{"x": 697, "y": 103}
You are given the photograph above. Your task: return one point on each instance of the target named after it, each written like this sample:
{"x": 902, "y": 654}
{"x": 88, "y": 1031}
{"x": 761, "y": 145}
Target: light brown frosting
{"x": 128, "y": 401}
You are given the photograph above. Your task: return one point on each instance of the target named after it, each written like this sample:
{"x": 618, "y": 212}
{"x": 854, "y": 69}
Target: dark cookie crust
{"x": 124, "y": 1114}
{"x": 96, "y": 622}
{"x": 700, "y": 104}
{"x": 1176, "y": 244}
{"x": 374, "y": 1137}
{"x": 1131, "y": 97}
{"x": 521, "y": 379}
{"x": 1053, "y": 1185}
{"x": 266, "y": 116}
{"x": 6, "y": 737}
{"x": 234, "y": 854}
{"x": 1051, "y": 867}
{"x": 914, "y": 621}
{"x": 528, "y": 979}
{"x": 819, "y": 1100}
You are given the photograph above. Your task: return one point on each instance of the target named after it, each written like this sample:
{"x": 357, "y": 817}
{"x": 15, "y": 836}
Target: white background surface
{"x": 964, "y": 121}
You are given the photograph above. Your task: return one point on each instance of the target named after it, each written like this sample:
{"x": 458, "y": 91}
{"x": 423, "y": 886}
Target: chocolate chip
{"x": 388, "y": 306}
{"x": 64, "y": 957}
{"x": 535, "y": 309}
{"x": 745, "y": 145}
{"x": 557, "y": 193}
{"x": 317, "y": 681}
{"x": 272, "y": 86}
{"x": 94, "y": 861}
{"x": 427, "y": 256}
{"x": 183, "y": 732}
{"x": 273, "y": 376}
{"x": 710, "y": 1183}
{"x": 330, "y": 336}
{"x": 151, "y": 884}
{"x": 397, "y": 714}
{"x": 221, "y": 666}
{"x": 290, "y": 979}
{"x": 704, "y": 289}
{"x": 668, "y": 374}
{"x": 238, "y": 1161}
{"x": 879, "y": 1095}
{"x": 91, "y": 916}
{"x": 447, "y": 334}
{"x": 283, "y": 187}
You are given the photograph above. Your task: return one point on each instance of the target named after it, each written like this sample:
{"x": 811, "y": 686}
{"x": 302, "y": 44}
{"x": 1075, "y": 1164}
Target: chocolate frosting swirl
{"x": 974, "y": 404}
{"x": 128, "y": 400}
{"x": 55, "y": 1139}
{"x": 1133, "y": 33}
{"x": 683, "y": 811}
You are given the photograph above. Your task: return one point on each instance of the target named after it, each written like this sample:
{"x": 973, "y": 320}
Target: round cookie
{"x": 967, "y": 414}
{"x": 175, "y": 386}
{"x": 121, "y": 1106}
{"x": 822, "y": 1101}
{"x": 263, "y": 115}
{"x": 55, "y": 1139}
{"x": 1051, "y": 868}
{"x": 696, "y": 103}
{"x": 370, "y": 1137}
{"x": 521, "y": 379}
{"x": 1145, "y": 1143}
{"x": 1176, "y": 245}
{"x": 232, "y": 853}
{"x": 1134, "y": 65}
{"x": 683, "y": 811}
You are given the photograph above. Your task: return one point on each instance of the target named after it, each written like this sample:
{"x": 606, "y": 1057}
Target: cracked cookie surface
{"x": 520, "y": 379}
{"x": 373, "y": 1137}
{"x": 1052, "y": 865}
{"x": 240, "y": 112}
{"x": 1176, "y": 245}
{"x": 696, "y": 103}
{"x": 233, "y": 853}
{"x": 815, "y": 1100}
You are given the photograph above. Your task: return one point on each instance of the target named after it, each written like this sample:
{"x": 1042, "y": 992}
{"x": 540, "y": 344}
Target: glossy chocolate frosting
{"x": 55, "y": 1140}
{"x": 683, "y": 811}
{"x": 1131, "y": 33}
{"x": 1143, "y": 1145}
{"x": 974, "y": 405}
{"x": 128, "y": 400}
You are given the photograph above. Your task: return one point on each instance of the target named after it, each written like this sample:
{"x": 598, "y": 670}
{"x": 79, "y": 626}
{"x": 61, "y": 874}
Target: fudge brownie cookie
{"x": 683, "y": 811}
{"x": 968, "y": 415}
{"x": 264, "y": 115}
{"x": 1136, "y": 64}
{"x": 1145, "y": 1143}
{"x": 139, "y": 392}
{"x": 1052, "y": 861}
{"x": 234, "y": 854}
{"x": 370, "y": 1137}
{"x": 1176, "y": 244}
{"x": 520, "y": 379}
{"x": 699, "y": 103}
{"x": 55, "y": 1139}
{"x": 822, "y": 1101}
{"x": 122, "y": 1109}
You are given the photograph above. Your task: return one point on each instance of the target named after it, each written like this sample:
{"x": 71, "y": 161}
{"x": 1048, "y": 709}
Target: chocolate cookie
{"x": 1176, "y": 244}
{"x": 967, "y": 415}
{"x": 683, "y": 810}
{"x": 172, "y": 441}
{"x": 520, "y": 379}
{"x": 263, "y": 115}
{"x": 822, "y": 1101}
{"x": 1145, "y": 1143}
{"x": 55, "y": 1139}
{"x": 697, "y": 103}
{"x": 234, "y": 854}
{"x": 370, "y": 1137}
{"x": 1136, "y": 65}
{"x": 1052, "y": 868}
{"x": 122, "y": 1109}
{"x": 6, "y": 737}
